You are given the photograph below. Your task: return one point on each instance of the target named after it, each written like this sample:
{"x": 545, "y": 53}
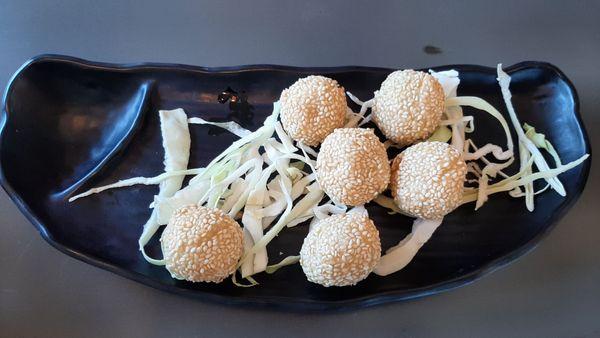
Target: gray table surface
{"x": 551, "y": 292}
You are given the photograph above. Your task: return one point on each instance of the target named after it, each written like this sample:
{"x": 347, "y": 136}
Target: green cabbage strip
{"x": 478, "y": 103}
{"x": 278, "y": 205}
{"x": 458, "y": 129}
{"x": 522, "y": 178}
{"x": 441, "y": 134}
{"x": 289, "y": 260}
{"x": 196, "y": 191}
{"x": 355, "y": 99}
{"x": 541, "y": 142}
{"x": 540, "y": 162}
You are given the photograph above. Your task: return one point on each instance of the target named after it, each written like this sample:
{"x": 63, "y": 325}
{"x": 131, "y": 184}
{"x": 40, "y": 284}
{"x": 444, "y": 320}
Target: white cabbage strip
{"x": 231, "y": 126}
{"x": 176, "y": 142}
{"x": 398, "y": 256}
{"x": 289, "y": 260}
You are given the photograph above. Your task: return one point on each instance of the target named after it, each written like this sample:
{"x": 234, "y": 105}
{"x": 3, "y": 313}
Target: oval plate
{"x": 70, "y": 124}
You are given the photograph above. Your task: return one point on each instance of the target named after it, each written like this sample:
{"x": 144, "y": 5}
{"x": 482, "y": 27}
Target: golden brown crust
{"x": 201, "y": 244}
{"x": 312, "y": 108}
{"x": 408, "y": 107}
{"x": 341, "y": 250}
{"x": 429, "y": 180}
{"x": 352, "y": 166}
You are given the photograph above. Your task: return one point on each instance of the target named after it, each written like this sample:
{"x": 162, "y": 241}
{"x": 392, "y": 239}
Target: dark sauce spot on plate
{"x": 240, "y": 110}
{"x": 429, "y": 49}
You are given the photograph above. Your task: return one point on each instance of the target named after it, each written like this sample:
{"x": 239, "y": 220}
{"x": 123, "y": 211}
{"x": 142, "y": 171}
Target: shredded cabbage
{"x": 289, "y": 260}
{"x": 176, "y": 142}
{"x": 522, "y": 178}
{"x": 540, "y": 141}
{"x": 357, "y": 120}
{"x": 441, "y": 134}
{"x": 478, "y": 103}
{"x": 137, "y": 181}
{"x": 398, "y": 256}
{"x": 231, "y": 126}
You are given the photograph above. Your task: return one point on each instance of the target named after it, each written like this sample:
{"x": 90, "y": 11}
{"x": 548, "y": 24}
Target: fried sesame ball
{"x": 201, "y": 244}
{"x": 352, "y": 166}
{"x": 408, "y": 107}
{"x": 427, "y": 179}
{"x": 341, "y": 250}
{"x": 312, "y": 108}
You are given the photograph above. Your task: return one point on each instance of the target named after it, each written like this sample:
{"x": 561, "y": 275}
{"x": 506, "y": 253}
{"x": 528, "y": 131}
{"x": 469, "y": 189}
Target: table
{"x": 551, "y": 292}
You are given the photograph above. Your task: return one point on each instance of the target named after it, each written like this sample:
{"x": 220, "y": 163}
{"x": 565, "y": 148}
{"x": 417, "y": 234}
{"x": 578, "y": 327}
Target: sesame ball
{"x": 352, "y": 166}
{"x": 408, "y": 107}
{"x": 341, "y": 250}
{"x": 312, "y": 108}
{"x": 201, "y": 244}
{"x": 427, "y": 179}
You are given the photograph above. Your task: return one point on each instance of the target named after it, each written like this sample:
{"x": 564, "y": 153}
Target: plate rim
{"x": 290, "y": 303}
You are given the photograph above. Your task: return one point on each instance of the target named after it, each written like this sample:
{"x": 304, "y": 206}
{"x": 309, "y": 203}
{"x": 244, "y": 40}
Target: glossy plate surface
{"x": 70, "y": 124}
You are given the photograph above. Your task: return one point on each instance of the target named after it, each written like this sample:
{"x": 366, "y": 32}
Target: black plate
{"x": 70, "y": 124}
